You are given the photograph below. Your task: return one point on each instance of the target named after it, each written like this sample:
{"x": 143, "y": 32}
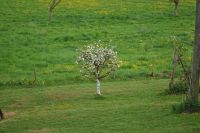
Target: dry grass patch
{"x": 8, "y": 115}
{"x": 21, "y": 101}
{"x": 59, "y": 96}
{"x": 42, "y": 130}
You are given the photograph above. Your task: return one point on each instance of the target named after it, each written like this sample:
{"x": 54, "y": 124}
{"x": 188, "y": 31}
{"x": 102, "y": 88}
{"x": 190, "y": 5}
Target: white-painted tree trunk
{"x": 98, "y": 87}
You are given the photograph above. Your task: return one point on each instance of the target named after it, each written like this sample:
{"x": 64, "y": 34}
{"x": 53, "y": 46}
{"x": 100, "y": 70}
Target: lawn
{"x": 127, "y": 106}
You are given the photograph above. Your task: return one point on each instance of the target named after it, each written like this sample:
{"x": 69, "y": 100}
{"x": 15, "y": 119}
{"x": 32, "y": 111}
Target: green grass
{"x": 126, "y": 106}
{"x": 140, "y": 29}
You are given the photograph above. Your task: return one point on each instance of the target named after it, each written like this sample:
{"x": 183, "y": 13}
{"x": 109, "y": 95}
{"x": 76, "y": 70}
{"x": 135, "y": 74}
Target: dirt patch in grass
{"x": 8, "y": 115}
{"x": 60, "y": 96}
{"x": 21, "y": 101}
{"x": 42, "y": 130}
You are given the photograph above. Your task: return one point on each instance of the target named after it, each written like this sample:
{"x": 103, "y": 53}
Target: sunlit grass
{"x": 140, "y": 31}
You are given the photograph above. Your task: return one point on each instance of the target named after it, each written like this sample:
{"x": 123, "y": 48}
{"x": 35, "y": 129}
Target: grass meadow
{"x": 62, "y": 100}
{"x": 141, "y": 31}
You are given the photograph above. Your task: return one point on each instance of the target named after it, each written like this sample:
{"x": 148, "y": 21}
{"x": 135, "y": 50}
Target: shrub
{"x": 185, "y": 107}
{"x": 180, "y": 87}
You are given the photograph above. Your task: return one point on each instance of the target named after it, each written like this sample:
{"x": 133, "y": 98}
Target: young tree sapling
{"x": 97, "y": 61}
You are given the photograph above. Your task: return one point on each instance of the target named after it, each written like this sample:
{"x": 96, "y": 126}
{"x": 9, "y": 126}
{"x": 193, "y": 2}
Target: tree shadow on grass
{"x": 185, "y": 107}
{"x": 97, "y": 97}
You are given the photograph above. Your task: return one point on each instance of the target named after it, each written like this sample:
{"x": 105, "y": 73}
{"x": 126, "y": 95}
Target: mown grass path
{"x": 126, "y": 106}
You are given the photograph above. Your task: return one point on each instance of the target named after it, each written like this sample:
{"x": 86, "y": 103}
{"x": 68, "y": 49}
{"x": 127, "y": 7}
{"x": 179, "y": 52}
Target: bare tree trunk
{"x": 171, "y": 83}
{"x": 176, "y": 2}
{"x": 52, "y": 5}
{"x": 34, "y": 74}
{"x": 1, "y": 115}
{"x": 192, "y": 96}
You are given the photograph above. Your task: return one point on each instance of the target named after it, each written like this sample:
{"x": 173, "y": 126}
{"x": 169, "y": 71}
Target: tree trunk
{"x": 52, "y": 5}
{"x": 176, "y": 2}
{"x": 34, "y": 74}
{"x": 192, "y": 96}
{"x": 174, "y": 63}
{"x": 98, "y": 87}
{"x": 1, "y": 115}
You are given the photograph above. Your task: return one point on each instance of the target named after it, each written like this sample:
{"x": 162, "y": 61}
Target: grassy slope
{"x": 140, "y": 29}
{"x": 129, "y": 106}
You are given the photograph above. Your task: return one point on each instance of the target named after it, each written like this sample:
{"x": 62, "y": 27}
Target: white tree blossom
{"x": 97, "y": 61}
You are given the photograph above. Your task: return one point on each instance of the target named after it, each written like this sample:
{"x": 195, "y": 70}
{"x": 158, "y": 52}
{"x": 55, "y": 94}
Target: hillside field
{"x": 141, "y": 31}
